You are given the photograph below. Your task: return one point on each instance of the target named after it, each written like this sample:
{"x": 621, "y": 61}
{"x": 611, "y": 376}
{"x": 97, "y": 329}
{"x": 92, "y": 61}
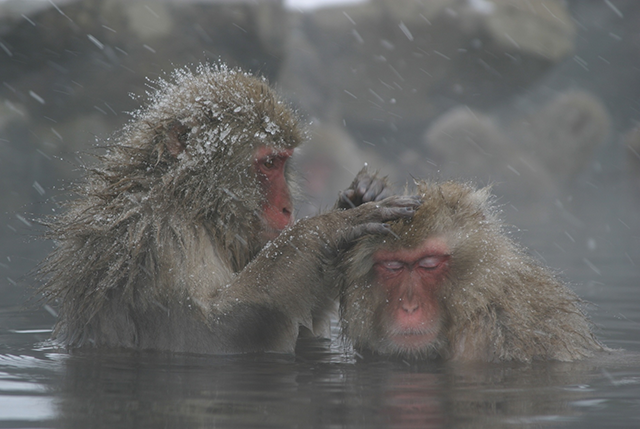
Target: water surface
{"x": 324, "y": 385}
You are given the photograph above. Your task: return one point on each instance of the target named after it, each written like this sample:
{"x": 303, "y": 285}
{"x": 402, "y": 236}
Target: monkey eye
{"x": 269, "y": 163}
{"x": 430, "y": 262}
{"x": 392, "y": 265}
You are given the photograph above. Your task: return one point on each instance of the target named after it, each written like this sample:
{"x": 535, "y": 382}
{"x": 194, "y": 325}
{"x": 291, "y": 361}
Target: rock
{"x": 563, "y": 133}
{"x": 468, "y": 145}
{"x": 542, "y": 28}
{"x": 384, "y": 65}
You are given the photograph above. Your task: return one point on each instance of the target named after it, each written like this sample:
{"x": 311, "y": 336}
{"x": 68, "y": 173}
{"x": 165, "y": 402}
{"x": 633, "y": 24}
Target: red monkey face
{"x": 277, "y": 209}
{"x": 410, "y": 279}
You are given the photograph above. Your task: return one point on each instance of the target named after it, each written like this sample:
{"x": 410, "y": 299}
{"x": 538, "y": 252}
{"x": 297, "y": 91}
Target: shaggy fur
{"x": 496, "y": 303}
{"x": 162, "y": 249}
{"x": 171, "y": 212}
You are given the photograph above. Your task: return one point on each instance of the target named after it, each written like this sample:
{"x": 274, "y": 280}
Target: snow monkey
{"x": 164, "y": 248}
{"x": 450, "y": 284}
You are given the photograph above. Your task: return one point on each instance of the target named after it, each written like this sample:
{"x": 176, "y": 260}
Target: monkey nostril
{"x": 410, "y": 306}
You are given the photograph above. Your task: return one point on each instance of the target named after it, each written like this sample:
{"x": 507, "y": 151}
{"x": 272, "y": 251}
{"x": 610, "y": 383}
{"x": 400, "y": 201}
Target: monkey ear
{"x": 175, "y": 140}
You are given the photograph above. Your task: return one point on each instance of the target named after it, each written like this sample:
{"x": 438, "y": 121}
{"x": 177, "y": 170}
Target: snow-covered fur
{"x": 169, "y": 214}
{"x": 496, "y": 303}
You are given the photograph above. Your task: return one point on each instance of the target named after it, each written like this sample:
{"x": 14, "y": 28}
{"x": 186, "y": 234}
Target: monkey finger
{"x": 371, "y": 228}
{"x": 393, "y": 213}
{"x": 415, "y": 199}
{"x": 375, "y": 188}
{"x": 363, "y": 185}
{"x": 400, "y": 201}
{"x": 386, "y": 193}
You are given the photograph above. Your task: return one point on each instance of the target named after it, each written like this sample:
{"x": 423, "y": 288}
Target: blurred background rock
{"x": 538, "y": 98}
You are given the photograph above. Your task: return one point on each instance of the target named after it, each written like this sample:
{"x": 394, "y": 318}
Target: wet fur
{"x": 497, "y": 304}
{"x": 161, "y": 249}
{"x": 168, "y": 216}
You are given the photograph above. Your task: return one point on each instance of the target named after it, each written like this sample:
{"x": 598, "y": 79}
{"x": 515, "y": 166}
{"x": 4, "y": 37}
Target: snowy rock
{"x": 469, "y": 145}
{"x": 563, "y": 133}
{"x": 542, "y": 28}
{"x": 408, "y": 61}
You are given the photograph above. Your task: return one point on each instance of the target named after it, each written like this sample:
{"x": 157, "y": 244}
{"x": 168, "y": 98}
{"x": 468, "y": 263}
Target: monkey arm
{"x": 287, "y": 283}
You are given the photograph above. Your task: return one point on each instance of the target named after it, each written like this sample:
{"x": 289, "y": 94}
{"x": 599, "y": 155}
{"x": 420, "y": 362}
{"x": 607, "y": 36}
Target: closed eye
{"x": 431, "y": 262}
{"x": 392, "y": 265}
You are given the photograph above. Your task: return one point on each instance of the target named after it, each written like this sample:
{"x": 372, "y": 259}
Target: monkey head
{"x": 212, "y": 145}
{"x": 394, "y": 291}
{"x": 451, "y": 284}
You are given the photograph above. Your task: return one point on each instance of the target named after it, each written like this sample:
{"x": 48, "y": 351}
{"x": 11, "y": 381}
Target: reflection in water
{"x": 153, "y": 390}
{"x": 24, "y": 388}
{"x": 323, "y": 386}
{"x": 126, "y": 390}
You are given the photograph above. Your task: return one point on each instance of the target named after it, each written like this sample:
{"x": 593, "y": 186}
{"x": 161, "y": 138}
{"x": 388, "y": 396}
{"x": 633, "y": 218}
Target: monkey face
{"x": 411, "y": 279}
{"x": 403, "y": 289}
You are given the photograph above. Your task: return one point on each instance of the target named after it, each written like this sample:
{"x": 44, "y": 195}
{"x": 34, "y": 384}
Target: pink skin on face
{"x": 410, "y": 278}
{"x": 278, "y": 209}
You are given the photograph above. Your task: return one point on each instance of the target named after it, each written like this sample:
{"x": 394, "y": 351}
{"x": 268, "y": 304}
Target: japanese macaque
{"x": 450, "y": 284}
{"x": 165, "y": 246}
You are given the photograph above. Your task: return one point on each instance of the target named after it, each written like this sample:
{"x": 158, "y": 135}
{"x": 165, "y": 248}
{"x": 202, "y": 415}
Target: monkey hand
{"x": 329, "y": 233}
{"x": 366, "y": 187}
{"x": 371, "y": 218}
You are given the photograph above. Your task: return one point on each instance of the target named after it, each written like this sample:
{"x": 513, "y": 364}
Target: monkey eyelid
{"x": 392, "y": 265}
{"x": 426, "y": 263}
{"x": 431, "y": 262}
